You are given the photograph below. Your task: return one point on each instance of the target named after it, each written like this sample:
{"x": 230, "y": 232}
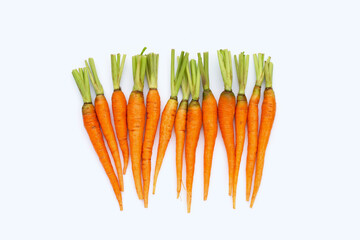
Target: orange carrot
{"x": 152, "y": 120}
{"x": 103, "y": 114}
{"x": 268, "y": 110}
{"x": 252, "y": 122}
{"x": 168, "y": 114}
{"x": 193, "y": 127}
{"x": 209, "y": 112}
{"x": 136, "y": 119}
{"x": 119, "y": 107}
{"x": 226, "y": 111}
{"x": 93, "y": 129}
{"x": 242, "y": 66}
{"x": 180, "y": 128}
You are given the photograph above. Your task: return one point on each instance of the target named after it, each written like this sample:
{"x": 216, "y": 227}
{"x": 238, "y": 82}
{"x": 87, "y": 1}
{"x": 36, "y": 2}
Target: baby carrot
{"x": 253, "y": 122}
{"x": 242, "y": 67}
{"x": 92, "y": 127}
{"x": 103, "y": 114}
{"x": 226, "y": 111}
{"x": 119, "y": 107}
{"x": 136, "y": 119}
{"x": 193, "y": 127}
{"x": 268, "y": 111}
{"x": 169, "y": 112}
{"x": 152, "y": 120}
{"x": 209, "y": 112}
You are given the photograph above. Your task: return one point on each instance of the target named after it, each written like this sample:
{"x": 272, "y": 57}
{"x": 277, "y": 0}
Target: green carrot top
{"x": 242, "y": 69}
{"x": 82, "y": 81}
{"x": 117, "y": 69}
{"x": 259, "y": 68}
{"x": 185, "y": 85}
{"x": 152, "y": 61}
{"x": 224, "y": 57}
{"x": 194, "y": 79}
{"x": 94, "y": 77}
{"x": 177, "y": 78}
{"x": 204, "y": 70}
{"x": 268, "y": 69}
{"x": 139, "y": 69}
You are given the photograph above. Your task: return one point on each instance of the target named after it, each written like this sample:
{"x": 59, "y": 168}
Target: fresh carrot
{"x": 136, "y": 119}
{"x": 119, "y": 107}
{"x": 242, "y": 67}
{"x": 193, "y": 127}
{"x": 209, "y": 112}
{"x": 180, "y": 128}
{"x": 226, "y": 111}
{"x": 253, "y": 122}
{"x": 152, "y": 120}
{"x": 103, "y": 114}
{"x": 169, "y": 112}
{"x": 268, "y": 110}
{"x": 93, "y": 129}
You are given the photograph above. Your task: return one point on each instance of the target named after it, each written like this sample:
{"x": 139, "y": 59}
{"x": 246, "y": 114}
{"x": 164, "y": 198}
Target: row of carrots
{"x": 141, "y": 121}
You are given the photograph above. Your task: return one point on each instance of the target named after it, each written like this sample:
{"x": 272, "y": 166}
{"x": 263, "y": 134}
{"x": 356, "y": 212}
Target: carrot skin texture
{"x": 193, "y": 127}
{"x": 226, "y": 112}
{"x": 180, "y": 128}
{"x": 240, "y": 127}
{"x": 103, "y": 113}
{"x": 136, "y": 124}
{"x": 166, "y": 126}
{"x": 268, "y": 111}
{"x": 252, "y": 122}
{"x": 152, "y": 120}
{"x": 92, "y": 127}
{"x": 209, "y": 112}
{"x": 119, "y": 111}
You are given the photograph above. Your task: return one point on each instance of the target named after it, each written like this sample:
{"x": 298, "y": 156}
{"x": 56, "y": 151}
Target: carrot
{"x": 136, "y": 119}
{"x": 180, "y": 128}
{"x": 152, "y": 120}
{"x": 209, "y": 112}
{"x": 119, "y": 107}
{"x": 103, "y": 114}
{"x": 268, "y": 110}
{"x": 169, "y": 112}
{"x": 242, "y": 67}
{"x": 93, "y": 129}
{"x": 226, "y": 111}
{"x": 252, "y": 122}
{"x": 193, "y": 127}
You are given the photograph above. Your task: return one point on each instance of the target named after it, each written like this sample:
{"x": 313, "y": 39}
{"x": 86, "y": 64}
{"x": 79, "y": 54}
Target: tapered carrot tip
{"x": 252, "y": 201}
{"x": 124, "y": 171}
{"x": 178, "y": 195}
{"x": 154, "y": 186}
{"x": 188, "y": 202}
{"x": 145, "y": 203}
{"x": 234, "y": 203}
{"x": 205, "y": 197}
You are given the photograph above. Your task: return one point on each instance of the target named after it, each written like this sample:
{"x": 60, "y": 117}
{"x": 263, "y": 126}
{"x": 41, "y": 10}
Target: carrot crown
{"x": 268, "y": 69}
{"x": 204, "y": 70}
{"x": 259, "y": 68}
{"x": 152, "y": 61}
{"x": 139, "y": 69}
{"x": 242, "y": 69}
{"x": 225, "y": 67}
{"x": 185, "y": 85}
{"x": 194, "y": 79}
{"x": 82, "y": 81}
{"x": 117, "y": 69}
{"x": 176, "y": 79}
{"x": 94, "y": 77}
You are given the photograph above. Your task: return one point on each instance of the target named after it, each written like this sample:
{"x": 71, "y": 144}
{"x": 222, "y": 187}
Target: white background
{"x": 52, "y": 185}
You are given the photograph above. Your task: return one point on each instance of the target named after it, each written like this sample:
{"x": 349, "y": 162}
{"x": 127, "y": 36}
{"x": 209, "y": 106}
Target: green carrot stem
{"x": 176, "y": 79}
{"x": 268, "y": 69}
{"x": 94, "y": 77}
{"x": 139, "y": 69}
{"x": 194, "y": 80}
{"x": 82, "y": 81}
{"x": 242, "y": 69}
{"x": 152, "y": 69}
{"x": 204, "y": 70}
{"x": 259, "y": 68}
{"x": 184, "y": 84}
{"x": 224, "y": 57}
{"x": 117, "y": 68}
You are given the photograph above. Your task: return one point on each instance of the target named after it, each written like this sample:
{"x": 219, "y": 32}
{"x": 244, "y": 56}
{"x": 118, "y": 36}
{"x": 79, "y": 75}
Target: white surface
{"x": 51, "y": 183}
